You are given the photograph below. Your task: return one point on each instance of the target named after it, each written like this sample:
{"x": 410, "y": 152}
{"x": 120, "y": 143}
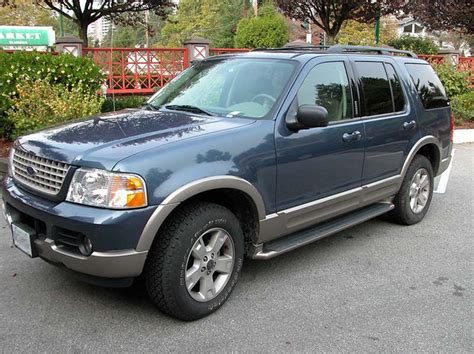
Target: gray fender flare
{"x": 189, "y": 190}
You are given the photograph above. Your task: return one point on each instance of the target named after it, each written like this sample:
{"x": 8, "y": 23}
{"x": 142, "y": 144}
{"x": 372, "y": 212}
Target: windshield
{"x": 230, "y": 87}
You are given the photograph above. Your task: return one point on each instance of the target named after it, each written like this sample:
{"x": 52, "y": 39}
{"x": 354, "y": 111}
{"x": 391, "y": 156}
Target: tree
{"x": 85, "y": 12}
{"x": 137, "y": 35}
{"x": 268, "y": 29}
{"x": 358, "y": 33}
{"x": 439, "y": 14}
{"x": 330, "y": 15}
{"x": 215, "y": 20}
{"x": 25, "y": 13}
{"x": 417, "y": 45}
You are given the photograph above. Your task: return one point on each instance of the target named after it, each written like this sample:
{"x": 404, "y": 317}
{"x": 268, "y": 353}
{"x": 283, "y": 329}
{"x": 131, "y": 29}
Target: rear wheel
{"x": 414, "y": 198}
{"x": 195, "y": 261}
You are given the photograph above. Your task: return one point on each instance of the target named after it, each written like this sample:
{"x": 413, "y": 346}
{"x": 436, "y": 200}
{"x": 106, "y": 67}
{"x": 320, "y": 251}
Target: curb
{"x": 463, "y": 136}
{"x": 3, "y": 165}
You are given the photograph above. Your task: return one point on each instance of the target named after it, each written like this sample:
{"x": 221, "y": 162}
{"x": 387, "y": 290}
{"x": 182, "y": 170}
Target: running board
{"x": 301, "y": 238}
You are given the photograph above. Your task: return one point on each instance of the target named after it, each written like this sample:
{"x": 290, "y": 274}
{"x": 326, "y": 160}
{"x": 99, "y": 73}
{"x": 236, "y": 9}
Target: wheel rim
{"x": 420, "y": 189}
{"x": 210, "y": 264}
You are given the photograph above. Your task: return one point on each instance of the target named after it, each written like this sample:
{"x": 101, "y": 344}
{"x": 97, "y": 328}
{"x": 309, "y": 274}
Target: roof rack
{"x": 364, "y": 49}
{"x": 339, "y": 49}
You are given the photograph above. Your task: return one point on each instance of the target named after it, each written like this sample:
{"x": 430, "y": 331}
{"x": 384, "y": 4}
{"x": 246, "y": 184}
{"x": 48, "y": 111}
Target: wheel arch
{"x": 428, "y": 146}
{"x": 235, "y": 193}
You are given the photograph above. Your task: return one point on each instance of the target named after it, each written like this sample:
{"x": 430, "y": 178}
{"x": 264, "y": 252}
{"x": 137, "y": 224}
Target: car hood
{"x": 104, "y": 140}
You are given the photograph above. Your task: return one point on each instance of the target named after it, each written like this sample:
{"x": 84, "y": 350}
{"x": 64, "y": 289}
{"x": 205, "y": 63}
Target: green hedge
{"x": 417, "y": 45}
{"x": 64, "y": 70}
{"x": 463, "y": 107}
{"x": 122, "y": 102}
{"x": 454, "y": 81}
{"x": 39, "y": 104}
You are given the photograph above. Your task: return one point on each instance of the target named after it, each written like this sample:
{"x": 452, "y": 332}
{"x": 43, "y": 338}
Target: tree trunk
{"x": 83, "y": 33}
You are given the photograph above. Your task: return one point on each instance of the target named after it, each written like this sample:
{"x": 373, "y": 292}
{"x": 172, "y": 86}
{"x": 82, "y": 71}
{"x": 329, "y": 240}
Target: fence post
{"x": 70, "y": 45}
{"x": 198, "y": 48}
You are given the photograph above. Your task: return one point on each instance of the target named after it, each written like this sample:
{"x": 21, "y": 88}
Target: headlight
{"x": 10, "y": 162}
{"x": 107, "y": 189}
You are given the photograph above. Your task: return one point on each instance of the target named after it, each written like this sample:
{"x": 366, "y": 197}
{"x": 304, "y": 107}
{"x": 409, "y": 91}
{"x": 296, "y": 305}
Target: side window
{"x": 428, "y": 85}
{"x": 327, "y": 85}
{"x": 398, "y": 98}
{"x": 376, "y": 88}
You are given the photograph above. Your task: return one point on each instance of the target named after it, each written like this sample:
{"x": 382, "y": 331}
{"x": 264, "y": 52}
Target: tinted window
{"x": 398, "y": 98}
{"x": 376, "y": 88}
{"x": 327, "y": 85}
{"x": 428, "y": 85}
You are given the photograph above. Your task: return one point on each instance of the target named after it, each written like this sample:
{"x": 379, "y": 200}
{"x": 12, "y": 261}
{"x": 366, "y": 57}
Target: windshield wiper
{"x": 149, "y": 106}
{"x": 188, "y": 108}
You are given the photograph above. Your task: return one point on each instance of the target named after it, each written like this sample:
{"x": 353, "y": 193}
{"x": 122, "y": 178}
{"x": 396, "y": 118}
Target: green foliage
{"x": 39, "y": 104}
{"x": 463, "y": 107}
{"x": 362, "y": 33}
{"x": 268, "y": 30}
{"x": 215, "y": 20}
{"x": 417, "y": 45}
{"x": 454, "y": 81}
{"x": 122, "y": 102}
{"x": 64, "y": 70}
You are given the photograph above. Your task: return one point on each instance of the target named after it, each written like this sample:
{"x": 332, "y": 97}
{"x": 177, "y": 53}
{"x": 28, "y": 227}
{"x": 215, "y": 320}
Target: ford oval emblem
{"x": 31, "y": 171}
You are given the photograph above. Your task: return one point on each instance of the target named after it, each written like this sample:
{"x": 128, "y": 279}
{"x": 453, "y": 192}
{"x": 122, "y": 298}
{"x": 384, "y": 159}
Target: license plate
{"x": 23, "y": 237}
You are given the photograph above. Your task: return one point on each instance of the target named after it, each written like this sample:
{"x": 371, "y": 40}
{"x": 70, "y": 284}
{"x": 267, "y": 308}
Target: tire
{"x": 176, "y": 252}
{"x": 406, "y": 211}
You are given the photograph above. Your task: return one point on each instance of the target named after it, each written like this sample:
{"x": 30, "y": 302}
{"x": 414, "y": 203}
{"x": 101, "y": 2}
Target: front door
{"x": 319, "y": 169}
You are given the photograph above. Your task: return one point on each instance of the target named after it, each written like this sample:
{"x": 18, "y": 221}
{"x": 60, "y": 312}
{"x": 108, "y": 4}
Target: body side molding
{"x": 189, "y": 190}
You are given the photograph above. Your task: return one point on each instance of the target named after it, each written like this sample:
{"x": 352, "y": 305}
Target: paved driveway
{"x": 375, "y": 287}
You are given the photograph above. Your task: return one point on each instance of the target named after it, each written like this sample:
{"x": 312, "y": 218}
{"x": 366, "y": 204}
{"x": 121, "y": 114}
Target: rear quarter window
{"x": 428, "y": 85}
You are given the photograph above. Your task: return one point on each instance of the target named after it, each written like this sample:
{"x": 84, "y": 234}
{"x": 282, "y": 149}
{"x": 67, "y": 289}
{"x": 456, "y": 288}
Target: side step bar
{"x": 301, "y": 238}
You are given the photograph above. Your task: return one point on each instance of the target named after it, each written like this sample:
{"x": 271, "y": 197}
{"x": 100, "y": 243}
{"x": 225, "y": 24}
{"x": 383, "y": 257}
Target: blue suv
{"x": 249, "y": 155}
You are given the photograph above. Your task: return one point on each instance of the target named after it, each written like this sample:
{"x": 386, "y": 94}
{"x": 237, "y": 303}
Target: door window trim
{"x": 363, "y": 114}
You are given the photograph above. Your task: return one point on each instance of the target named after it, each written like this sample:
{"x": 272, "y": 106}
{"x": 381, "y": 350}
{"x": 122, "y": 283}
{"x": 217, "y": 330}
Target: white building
{"x": 99, "y": 29}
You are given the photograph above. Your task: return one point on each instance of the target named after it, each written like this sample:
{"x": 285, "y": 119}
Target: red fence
{"x": 138, "y": 70}
{"x": 464, "y": 64}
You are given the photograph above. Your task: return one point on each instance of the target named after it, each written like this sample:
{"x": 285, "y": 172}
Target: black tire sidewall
{"x": 402, "y": 201}
{"x": 214, "y": 217}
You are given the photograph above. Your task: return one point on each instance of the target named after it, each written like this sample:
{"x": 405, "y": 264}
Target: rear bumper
{"x": 444, "y": 164}
{"x": 109, "y": 230}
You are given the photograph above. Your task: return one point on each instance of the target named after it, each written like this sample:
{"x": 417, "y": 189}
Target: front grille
{"x": 39, "y": 173}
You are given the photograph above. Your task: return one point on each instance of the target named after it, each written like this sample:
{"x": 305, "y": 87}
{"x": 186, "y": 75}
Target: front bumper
{"x": 114, "y": 233}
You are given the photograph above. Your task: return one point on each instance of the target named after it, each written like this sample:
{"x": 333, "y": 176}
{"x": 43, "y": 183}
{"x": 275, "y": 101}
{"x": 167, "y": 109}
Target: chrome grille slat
{"x": 50, "y": 174}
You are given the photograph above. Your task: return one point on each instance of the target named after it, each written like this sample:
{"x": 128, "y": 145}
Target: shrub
{"x": 39, "y": 104}
{"x": 454, "y": 81}
{"x": 122, "y": 102}
{"x": 267, "y": 30}
{"x": 64, "y": 70}
{"x": 415, "y": 44}
{"x": 56, "y": 69}
{"x": 463, "y": 107}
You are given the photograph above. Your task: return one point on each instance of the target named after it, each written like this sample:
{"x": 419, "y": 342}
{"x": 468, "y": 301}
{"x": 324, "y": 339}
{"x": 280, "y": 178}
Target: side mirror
{"x": 308, "y": 116}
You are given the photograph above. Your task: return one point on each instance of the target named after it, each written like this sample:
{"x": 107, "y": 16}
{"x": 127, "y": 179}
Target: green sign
{"x": 26, "y": 36}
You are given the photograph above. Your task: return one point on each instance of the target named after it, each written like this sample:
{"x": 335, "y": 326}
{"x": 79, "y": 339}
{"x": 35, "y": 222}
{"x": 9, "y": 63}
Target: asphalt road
{"x": 377, "y": 287}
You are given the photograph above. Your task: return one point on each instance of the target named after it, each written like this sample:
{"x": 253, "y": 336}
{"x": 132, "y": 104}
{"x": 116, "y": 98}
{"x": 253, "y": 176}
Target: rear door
{"x": 390, "y": 123}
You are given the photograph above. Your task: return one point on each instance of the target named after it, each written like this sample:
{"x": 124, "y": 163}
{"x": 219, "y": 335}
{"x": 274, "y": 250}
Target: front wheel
{"x": 195, "y": 261}
{"x": 414, "y": 198}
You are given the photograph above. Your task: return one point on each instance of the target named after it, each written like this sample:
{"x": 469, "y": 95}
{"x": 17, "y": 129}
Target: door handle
{"x": 409, "y": 125}
{"x": 354, "y": 136}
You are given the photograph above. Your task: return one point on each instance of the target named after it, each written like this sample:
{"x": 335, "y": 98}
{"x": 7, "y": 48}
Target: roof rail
{"x": 362, "y": 49}
{"x": 295, "y": 47}
{"x": 339, "y": 49}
